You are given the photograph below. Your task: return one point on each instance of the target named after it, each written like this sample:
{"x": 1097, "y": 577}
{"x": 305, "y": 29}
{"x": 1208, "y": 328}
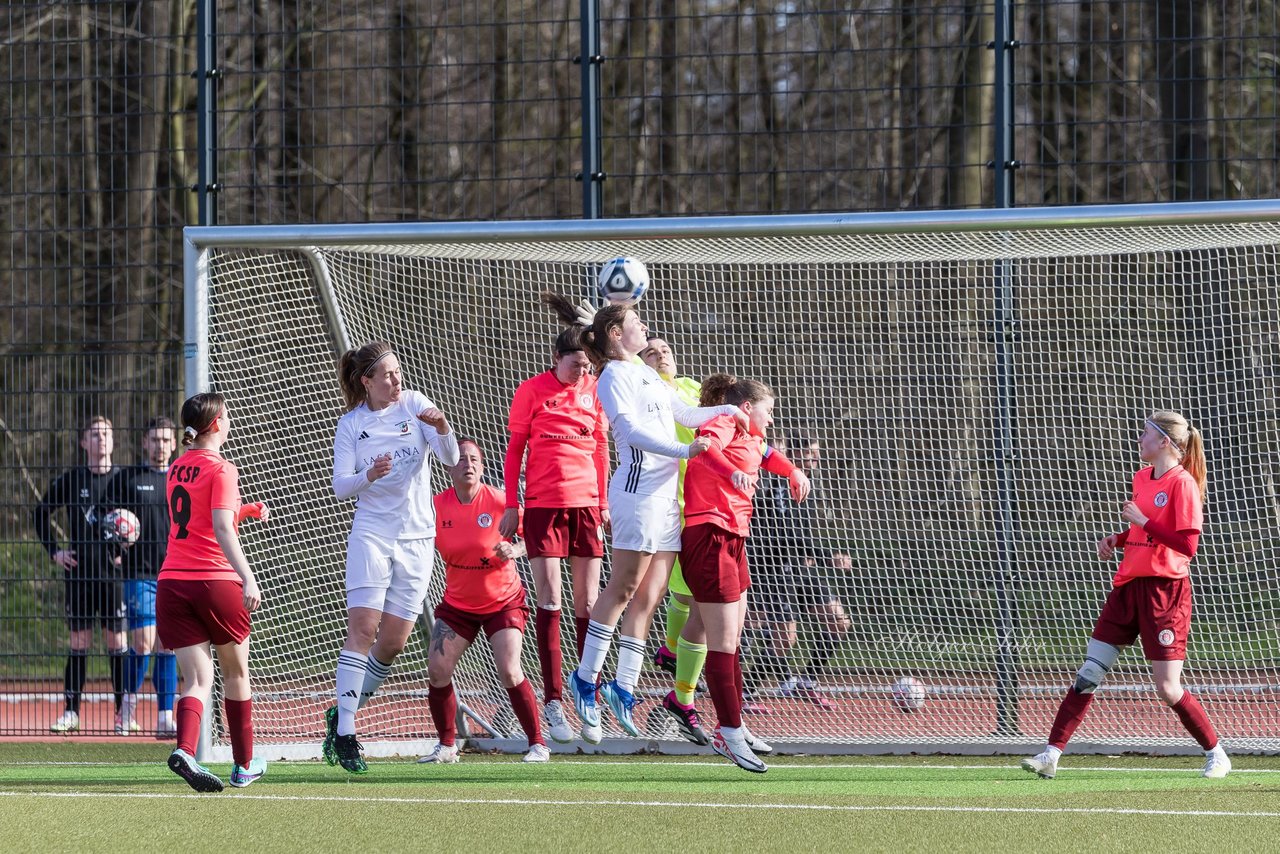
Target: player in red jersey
{"x": 482, "y": 591}
{"x": 558, "y": 419}
{"x": 206, "y": 591}
{"x": 1150, "y": 596}
{"x": 718, "y": 487}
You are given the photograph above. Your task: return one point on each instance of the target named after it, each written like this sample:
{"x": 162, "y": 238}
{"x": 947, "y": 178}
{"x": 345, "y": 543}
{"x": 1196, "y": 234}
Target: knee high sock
{"x": 444, "y": 712}
{"x": 690, "y": 658}
{"x": 723, "y": 684}
{"x": 190, "y": 710}
{"x": 73, "y": 679}
{"x": 525, "y": 705}
{"x": 164, "y": 676}
{"x": 240, "y": 728}
{"x": 630, "y": 660}
{"x": 595, "y": 650}
{"x": 1193, "y": 717}
{"x": 375, "y": 672}
{"x": 821, "y": 649}
{"x": 677, "y": 616}
{"x": 119, "y": 659}
{"x": 1070, "y": 713}
{"x": 351, "y": 667}
{"x": 550, "y": 659}
{"x": 580, "y": 633}
{"x": 135, "y": 671}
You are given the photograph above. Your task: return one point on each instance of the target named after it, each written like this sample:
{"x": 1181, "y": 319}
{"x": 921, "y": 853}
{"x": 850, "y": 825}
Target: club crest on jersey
{"x": 484, "y": 520}
{"x": 1166, "y": 637}
{"x": 404, "y": 427}
{"x": 585, "y": 400}
{"x": 1161, "y": 499}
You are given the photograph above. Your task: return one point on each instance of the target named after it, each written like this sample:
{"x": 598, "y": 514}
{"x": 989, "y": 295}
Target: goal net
{"x": 974, "y": 383}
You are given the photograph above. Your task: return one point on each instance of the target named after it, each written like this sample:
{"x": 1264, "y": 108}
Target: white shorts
{"x": 389, "y": 576}
{"x": 644, "y": 523}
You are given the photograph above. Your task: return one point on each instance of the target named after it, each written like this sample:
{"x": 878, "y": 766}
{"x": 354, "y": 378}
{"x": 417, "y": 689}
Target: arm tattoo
{"x": 439, "y": 633}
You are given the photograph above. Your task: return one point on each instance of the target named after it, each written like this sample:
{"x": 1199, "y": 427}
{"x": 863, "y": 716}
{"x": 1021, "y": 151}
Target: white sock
{"x": 351, "y": 667}
{"x": 374, "y": 674}
{"x": 630, "y": 660}
{"x": 1216, "y": 750}
{"x": 1054, "y": 753}
{"x": 594, "y": 651}
{"x": 166, "y": 717}
{"x": 128, "y": 707}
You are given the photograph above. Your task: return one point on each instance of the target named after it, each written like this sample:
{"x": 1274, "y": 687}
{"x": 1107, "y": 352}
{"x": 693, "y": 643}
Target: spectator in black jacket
{"x": 90, "y": 565}
{"x": 140, "y": 489}
{"x": 789, "y": 569}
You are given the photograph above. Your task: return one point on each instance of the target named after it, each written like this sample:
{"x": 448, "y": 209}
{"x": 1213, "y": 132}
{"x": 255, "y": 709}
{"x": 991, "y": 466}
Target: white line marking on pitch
{"x": 650, "y": 804}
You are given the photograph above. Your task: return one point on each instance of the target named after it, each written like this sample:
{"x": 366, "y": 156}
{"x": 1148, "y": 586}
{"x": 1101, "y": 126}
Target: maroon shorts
{"x": 1157, "y": 609}
{"x": 563, "y": 532}
{"x": 189, "y": 613}
{"x": 714, "y": 563}
{"x": 513, "y": 615}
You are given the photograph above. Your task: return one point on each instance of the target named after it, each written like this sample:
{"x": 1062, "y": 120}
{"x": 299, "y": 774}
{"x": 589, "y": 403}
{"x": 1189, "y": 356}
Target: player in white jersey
{"x": 380, "y": 460}
{"x": 642, "y": 411}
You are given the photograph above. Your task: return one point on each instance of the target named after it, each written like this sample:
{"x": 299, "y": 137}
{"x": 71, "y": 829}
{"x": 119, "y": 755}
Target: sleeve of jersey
{"x": 347, "y": 481}
{"x": 720, "y": 433}
{"x": 520, "y": 418}
{"x": 224, "y": 491}
{"x": 640, "y": 435}
{"x": 696, "y": 416}
{"x": 445, "y": 447}
{"x": 614, "y": 392}
{"x": 601, "y": 459}
{"x": 511, "y": 467}
{"x": 40, "y": 515}
{"x": 776, "y": 462}
{"x": 1184, "y": 542}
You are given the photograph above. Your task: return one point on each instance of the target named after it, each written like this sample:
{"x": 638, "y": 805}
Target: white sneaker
{"x": 126, "y": 726}
{"x": 757, "y": 744}
{"x": 557, "y": 726}
{"x": 69, "y": 721}
{"x": 538, "y": 753}
{"x": 1044, "y": 765}
{"x": 737, "y": 752}
{"x": 1216, "y": 765}
{"x": 442, "y": 754}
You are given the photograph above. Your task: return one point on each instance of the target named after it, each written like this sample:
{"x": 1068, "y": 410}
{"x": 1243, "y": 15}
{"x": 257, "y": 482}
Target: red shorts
{"x": 714, "y": 563}
{"x": 1157, "y": 609}
{"x": 513, "y": 615}
{"x": 189, "y": 613}
{"x": 563, "y": 532}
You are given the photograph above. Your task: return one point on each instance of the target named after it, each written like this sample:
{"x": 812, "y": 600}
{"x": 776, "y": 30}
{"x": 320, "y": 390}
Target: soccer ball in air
{"x": 908, "y": 694}
{"x": 623, "y": 280}
{"x": 120, "y": 526}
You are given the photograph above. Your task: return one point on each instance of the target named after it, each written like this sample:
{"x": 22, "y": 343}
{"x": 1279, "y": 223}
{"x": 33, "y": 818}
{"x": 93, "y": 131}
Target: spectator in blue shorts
{"x": 140, "y": 489}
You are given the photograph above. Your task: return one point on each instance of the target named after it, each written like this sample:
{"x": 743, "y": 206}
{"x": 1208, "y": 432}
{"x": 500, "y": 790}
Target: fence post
{"x": 591, "y": 176}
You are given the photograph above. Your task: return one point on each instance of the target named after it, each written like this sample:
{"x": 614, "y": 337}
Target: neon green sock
{"x": 677, "y": 616}
{"x": 690, "y": 657}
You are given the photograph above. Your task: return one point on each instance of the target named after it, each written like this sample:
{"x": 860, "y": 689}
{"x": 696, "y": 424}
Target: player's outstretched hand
{"x": 698, "y": 445}
{"x": 742, "y": 481}
{"x": 800, "y": 486}
{"x": 252, "y": 598}
{"x": 381, "y": 468}
{"x": 65, "y": 558}
{"x": 586, "y": 313}
{"x": 433, "y": 417}
{"x": 509, "y": 523}
{"x": 1131, "y": 514}
{"x": 1107, "y": 546}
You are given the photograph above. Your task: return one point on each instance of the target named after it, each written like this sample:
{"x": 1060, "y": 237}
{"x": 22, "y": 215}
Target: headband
{"x": 369, "y": 370}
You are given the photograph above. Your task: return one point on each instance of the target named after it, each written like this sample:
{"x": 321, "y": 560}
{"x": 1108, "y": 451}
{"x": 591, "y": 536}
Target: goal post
{"x": 973, "y": 381}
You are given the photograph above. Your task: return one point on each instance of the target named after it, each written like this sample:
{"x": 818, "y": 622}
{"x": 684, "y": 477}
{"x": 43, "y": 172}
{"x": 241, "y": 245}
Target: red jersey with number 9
{"x": 199, "y": 482}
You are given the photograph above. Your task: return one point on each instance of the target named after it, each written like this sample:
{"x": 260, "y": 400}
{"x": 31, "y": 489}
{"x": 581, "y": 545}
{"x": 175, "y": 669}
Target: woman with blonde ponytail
{"x": 1151, "y": 592}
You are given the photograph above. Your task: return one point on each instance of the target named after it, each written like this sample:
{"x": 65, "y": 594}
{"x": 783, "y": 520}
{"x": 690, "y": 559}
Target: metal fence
{"x": 124, "y": 121}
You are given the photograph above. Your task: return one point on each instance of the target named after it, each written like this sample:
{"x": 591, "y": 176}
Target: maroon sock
{"x": 549, "y": 654}
{"x": 444, "y": 713}
{"x": 1070, "y": 714}
{"x": 525, "y": 705}
{"x": 240, "y": 728}
{"x": 737, "y": 674}
{"x": 1192, "y": 715}
{"x": 722, "y": 684}
{"x": 190, "y": 710}
{"x": 580, "y": 633}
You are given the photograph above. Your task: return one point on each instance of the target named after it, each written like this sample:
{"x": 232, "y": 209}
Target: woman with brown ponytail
{"x": 1150, "y": 595}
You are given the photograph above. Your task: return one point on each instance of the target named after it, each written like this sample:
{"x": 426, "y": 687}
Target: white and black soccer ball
{"x": 121, "y": 526}
{"x": 622, "y": 280}
{"x": 908, "y": 694}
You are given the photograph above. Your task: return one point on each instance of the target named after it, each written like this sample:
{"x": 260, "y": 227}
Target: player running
{"x": 718, "y": 489}
{"x": 206, "y": 592}
{"x": 1151, "y": 593}
{"x": 557, "y": 418}
{"x": 379, "y": 459}
{"x": 482, "y": 591}
{"x": 645, "y": 512}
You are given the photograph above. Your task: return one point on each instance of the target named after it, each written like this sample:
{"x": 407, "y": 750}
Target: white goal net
{"x": 974, "y": 381}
